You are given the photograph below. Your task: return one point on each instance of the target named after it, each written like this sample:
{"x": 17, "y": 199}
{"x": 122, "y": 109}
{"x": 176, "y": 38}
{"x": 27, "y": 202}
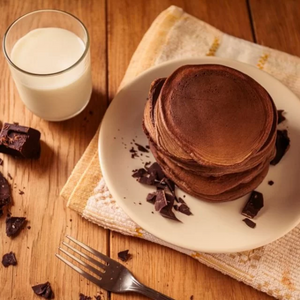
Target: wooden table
{"x": 116, "y": 27}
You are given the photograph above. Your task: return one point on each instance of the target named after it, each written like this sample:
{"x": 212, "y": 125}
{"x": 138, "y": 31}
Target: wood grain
{"x": 163, "y": 269}
{"x": 62, "y": 145}
{"x": 277, "y": 24}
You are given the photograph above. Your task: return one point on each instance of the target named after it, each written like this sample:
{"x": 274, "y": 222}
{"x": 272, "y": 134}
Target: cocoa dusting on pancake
{"x": 253, "y": 205}
{"x": 44, "y": 290}
{"x": 249, "y": 223}
{"x": 9, "y": 259}
{"x": 282, "y": 146}
{"x": 124, "y": 255}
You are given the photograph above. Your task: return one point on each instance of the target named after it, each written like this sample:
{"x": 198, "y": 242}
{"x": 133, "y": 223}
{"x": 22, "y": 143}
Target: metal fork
{"x": 114, "y": 276}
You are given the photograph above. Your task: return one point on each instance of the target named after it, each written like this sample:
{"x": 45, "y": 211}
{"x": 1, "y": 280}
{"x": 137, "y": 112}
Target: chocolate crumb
{"x": 141, "y": 148}
{"x": 9, "y": 176}
{"x": 97, "y": 297}
{"x": 282, "y": 146}
{"x": 147, "y": 146}
{"x": 124, "y": 255}
{"x": 133, "y": 155}
{"x": 253, "y": 205}
{"x": 84, "y": 297}
{"x": 44, "y": 290}
{"x": 29, "y": 227}
{"x": 192, "y": 297}
{"x": 21, "y": 192}
{"x": 14, "y": 225}
{"x": 281, "y": 117}
{"x": 9, "y": 259}
{"x": 1, "y": 162}
{"x": 249, "y": 223}
{"x": 270, "y": 182}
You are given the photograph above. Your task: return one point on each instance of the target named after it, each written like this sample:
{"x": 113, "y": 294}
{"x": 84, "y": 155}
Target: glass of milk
{"x": 48, "y": 52}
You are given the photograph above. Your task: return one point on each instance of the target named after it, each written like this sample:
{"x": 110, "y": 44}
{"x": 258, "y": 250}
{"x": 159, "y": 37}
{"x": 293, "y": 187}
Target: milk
{"x": 44, "y": 52}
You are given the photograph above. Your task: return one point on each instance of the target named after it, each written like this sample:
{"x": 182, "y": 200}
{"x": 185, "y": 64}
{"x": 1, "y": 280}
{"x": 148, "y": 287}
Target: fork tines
{"x": 88, "y": 266}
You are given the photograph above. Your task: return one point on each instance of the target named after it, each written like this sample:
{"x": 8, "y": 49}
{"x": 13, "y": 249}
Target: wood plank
{"x": 163, "y": 269}
{"x": 277, "y": 24}
{"x": 62, "y": 146}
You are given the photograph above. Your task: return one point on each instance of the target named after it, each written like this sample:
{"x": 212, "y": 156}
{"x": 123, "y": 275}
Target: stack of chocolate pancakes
{"x": 212, "y": 129}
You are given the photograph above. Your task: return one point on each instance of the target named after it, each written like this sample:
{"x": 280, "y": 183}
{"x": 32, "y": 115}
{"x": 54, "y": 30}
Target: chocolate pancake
{"x": 213, "y": 112}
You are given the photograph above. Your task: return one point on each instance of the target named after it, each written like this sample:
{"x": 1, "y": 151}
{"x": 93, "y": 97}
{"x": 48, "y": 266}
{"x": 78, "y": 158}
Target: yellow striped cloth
{"x": 275, "y": 268}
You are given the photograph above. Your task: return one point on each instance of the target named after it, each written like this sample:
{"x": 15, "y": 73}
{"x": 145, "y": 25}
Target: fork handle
{"x": 148, "y": 292}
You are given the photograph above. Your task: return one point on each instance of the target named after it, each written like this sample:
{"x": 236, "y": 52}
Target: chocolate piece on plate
{"x": 14, "y": 225}
{"x": 20, "y": 141}
{"x": 151, "y": 197}
{"x": 124, "y": 255}
{"x": 167, "y": 211}
{"x": 141, "y": 148}
{"x": 183, "y": 208}
{"x": 139, "y": 173}
{"x": 249, "y": 223}
{"x": 9, "y": 259}
{"x": 253, "y": 205}
{"x": 161, "y": 200}
{"x": 4, "y": 191}
{"x": 270, "y": 182}
{"x": 282, "y": 146}
{"x": 44, "y": 290}
{"x": 281, "y": 117}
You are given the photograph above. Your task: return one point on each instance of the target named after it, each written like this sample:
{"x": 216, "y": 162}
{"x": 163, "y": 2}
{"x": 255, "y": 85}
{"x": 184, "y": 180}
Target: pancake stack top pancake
{"x": 212, "y": 129}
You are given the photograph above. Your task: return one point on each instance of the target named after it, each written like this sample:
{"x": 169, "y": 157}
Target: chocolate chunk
{"x": 161, "y": 200}
{"x": 282, "y": 146}
{"x": 167, "y": 211}
{"x": 141, "y": 148}
{"x": 44, "y": 290}
{"x": 4, "y": 191}
{"x": 253, "y": 205}
{"x": 84, "y": 297}
{"x": 9, "y": 176}
{"x": 171, "y": 185}
{"x": 124, "y": 255}
{"x": 151, "y": 197}
{"x": 9, "y": 259}
{"x": 132, "y": 150}
{"x": 250, "y": 223}
{"x": 20, "y": 141}
{"x": 270, "y": 182}
{"x": 149, "y": 180}
{"x": 156, "y": 169}
{"x": 281, "y": 118}
{"x": 14, "y": 225}
{"x": 139, "y": 173}
{"x": 133, "y": 155}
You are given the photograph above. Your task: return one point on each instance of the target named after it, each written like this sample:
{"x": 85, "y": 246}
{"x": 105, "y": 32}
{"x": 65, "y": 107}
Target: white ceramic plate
{"x": 214, "y": 227}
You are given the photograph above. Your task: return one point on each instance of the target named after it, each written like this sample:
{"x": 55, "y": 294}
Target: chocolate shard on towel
{"x": 44, "y": 290}
{"x": 249, "y": 223}
{"x": 167, "y": 211}
{"x": 124, "y": 255}
{"x": 14, "y": 225}
{"x": 253, "y": 205}
{"x": 20, "y": 141}
{"x": 4, "y": 191}
{"x": 9, "y": 259}
{"x": 282, "y": 146}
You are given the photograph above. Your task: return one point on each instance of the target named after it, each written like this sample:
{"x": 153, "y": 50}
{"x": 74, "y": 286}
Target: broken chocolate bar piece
{"x": 161, "y": 200}
{"x": 14, "y": 225}
{"x": 9, "y": 259}
{"x": 281, "y": 117}
{"x": 167, "y": 211}
{"x": 20, "y": 141}
{"x": 44, "y": 290}
{"x": 4, "y": 191}
{"x": 156, "y": 171}
{"x": 139, "y": 173}
{"x": 253, "y": 205}
{"x": 84, "y": 297}
{"x": 249, "y": 223}
{"x": 282, "y": 146}
{"x": 151, "y": 197}
{"x": 124, "y": 255}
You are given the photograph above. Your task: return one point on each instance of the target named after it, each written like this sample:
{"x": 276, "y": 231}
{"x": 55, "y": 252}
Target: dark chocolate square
{"x": 20, "y": 141}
